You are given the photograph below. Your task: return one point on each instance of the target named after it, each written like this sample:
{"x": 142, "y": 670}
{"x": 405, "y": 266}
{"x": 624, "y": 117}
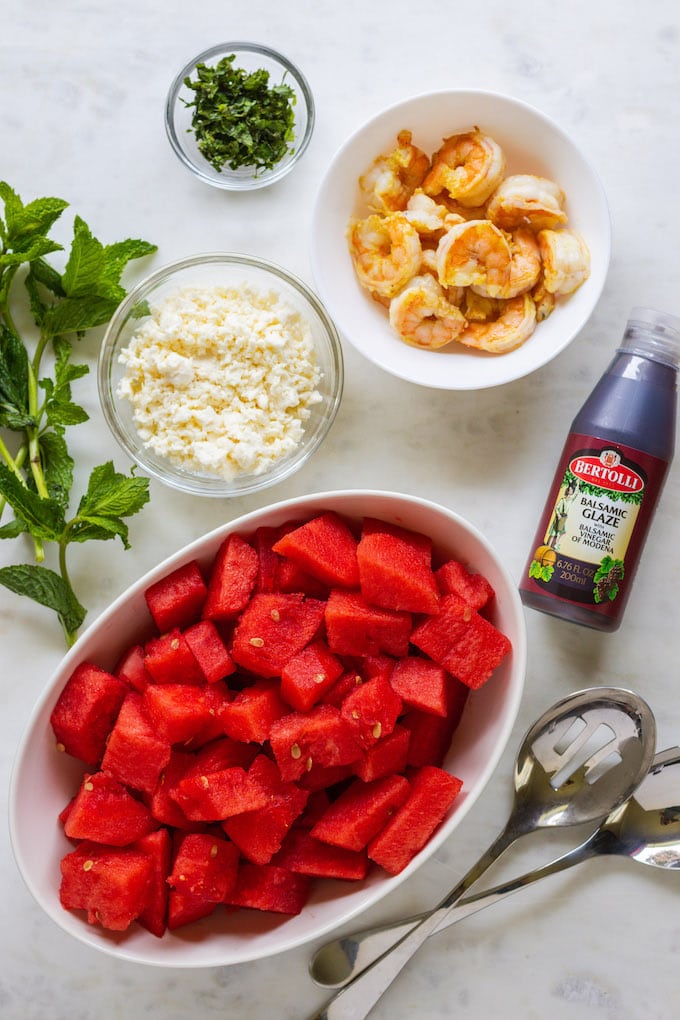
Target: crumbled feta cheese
{"x": 221, "y": 379}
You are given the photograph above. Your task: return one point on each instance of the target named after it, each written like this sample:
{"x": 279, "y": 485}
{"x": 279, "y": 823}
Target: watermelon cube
{"x": 177, "y": 599}
{"x": 163, "y": 807}
{"x": 354, "y": 627}
{"x": 267, "y": 560}
{"x": 259, "y": 834}
{"x": 272, "y": 629}
{"x": 268, "y": 887}
{"x": 184, "y": 713}
{"x": 205, "y": 866}
{"x": 157, "y": 846}
{"x": 210, "y": 651}
{"x": 135, "y": 753}
{"x": 453, "y": 578}
{"x": 325, "y": 777}
{"x": 232, "y": 580}
{"x": 431, "y": 735}
{"x": 169, "y": 660}
{"x": 309, "y": 674}
{"x": 361, "y": 812}
{"x": 302, "y": 854}
{"x": 111, "y": 884}
{"x": 324, "y": 547}
{"x": 387, "y": 756}
{"x": 104, "y": 811}
{"x": 300, "y": 740}
{"x": 222, "y": 753}
{"x": 432, "y": 793}
{"x": 250, "y": 715}
{"x": 395, "y": 569}
{"x": 462, "y": 641}
{"x": 183, "y": 908}
{"x": 85, "y": 712}
{"x": 215, "y": 796}
{"x": 421, "y": 683}
{"x": 131, "y": 669}
{"x": 371, "y": 711}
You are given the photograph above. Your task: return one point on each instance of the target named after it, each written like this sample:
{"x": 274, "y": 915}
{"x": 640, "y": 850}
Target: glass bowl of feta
{"x": 220, "y": 374}
{"x": 239, "y": 116}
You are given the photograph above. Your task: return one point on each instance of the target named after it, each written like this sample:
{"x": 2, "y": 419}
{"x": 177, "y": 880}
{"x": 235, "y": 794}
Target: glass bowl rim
{"x": 226, "y": 181}
{"x": 196, "y": 484}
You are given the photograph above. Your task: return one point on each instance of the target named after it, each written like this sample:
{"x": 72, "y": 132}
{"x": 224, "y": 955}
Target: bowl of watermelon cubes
{"x": 268, "y": 732}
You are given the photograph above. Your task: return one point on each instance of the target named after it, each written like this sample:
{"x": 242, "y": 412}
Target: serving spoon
{"x": 646, "y": 829}
{"x": 580, "y": 760}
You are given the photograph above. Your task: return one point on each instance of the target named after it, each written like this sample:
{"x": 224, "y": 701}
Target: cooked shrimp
{"x": 566, "y": 260}
{"x": 515, "y": 324}
{"x": 474, "y": 253}
{"x": 386, "y": 252}
{"x": 469, "y": 167}
{"x": 392, "y": 178}
{"x": 478, "y": 308}
{"x": 426, "y": 215}
{"x": 523, "y": 200}
{"x": 543, "y": 299}
{"x": 525, "y": 265}
{"x": 423, "y": 317}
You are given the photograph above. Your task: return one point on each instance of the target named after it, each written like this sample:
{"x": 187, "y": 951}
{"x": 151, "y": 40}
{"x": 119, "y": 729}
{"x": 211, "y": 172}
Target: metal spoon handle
{"x": 354, "y": 953}
{"x": 357, "y": 998}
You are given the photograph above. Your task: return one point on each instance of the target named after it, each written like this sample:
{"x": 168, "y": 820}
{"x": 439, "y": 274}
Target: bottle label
{"x": 594, "y": 524}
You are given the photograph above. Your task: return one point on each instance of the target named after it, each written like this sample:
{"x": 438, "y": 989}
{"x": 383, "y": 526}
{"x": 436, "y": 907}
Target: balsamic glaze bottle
{"x": 608, "y": 481}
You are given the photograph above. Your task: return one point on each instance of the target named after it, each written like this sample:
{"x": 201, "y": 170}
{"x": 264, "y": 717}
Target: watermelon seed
{"x": 205, "y": 782}
{"x": 377, "y": 730}
{"x": 88, "y": 865}
{"x": 213, "y": 850}
{"x": 60, "y": 747}
{"x": 467, "y": 615}
{"x": 88, "y": 786}
{"x": 275, "y": 615}
{"x": 355, "y": 714}
{"x": 295, "y": 751}
{"x": 308, "y": 764}
{"x": 174, "y": 644}
{"x": 319, "y": 678}
{"x": 257, "y": 642}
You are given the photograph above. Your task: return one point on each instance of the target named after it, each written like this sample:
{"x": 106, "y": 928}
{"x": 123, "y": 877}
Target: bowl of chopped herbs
{"x": 239, "y": 116}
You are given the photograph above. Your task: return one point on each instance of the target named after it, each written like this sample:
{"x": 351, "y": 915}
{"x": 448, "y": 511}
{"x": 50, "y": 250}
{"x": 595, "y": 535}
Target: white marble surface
{"x": 82, "y": 87}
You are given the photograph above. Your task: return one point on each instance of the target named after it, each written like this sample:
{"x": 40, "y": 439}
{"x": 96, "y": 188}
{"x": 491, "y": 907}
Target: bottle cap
{"x": 653, "y": 334}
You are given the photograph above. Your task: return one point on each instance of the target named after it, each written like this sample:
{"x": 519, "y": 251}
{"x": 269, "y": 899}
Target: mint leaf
{"x": 14, "y": 412}
{"x": 93, "y": 527}
{"x": 118, "y": 255}
{"x": 109, "y": 497}
{"x": 24, "y": 223}
{"x": 13, "y": 529}
{"x": 76, "y": 314}
{"x": 87, "y": 273}
{"x": 44, "y": 517}
{"x": 46, "y": 587}
{"x": 57, "y": 466}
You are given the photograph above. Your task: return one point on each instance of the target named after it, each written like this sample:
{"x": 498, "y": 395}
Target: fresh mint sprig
{"x": 36, "y": 471}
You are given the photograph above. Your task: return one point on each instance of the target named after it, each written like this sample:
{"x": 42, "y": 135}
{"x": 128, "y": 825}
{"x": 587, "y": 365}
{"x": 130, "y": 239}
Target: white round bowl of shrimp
{"x": 460, "y": 239}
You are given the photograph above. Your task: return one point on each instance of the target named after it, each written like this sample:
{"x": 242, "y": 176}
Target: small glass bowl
{"x": 251, "y": 57}
{"x": 228, "y": 270}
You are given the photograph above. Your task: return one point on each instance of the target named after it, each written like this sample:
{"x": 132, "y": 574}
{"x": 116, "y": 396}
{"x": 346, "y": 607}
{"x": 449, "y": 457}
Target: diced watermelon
{"x": 361, "y": 812}
{"x": 157, "y": 846}
{"x": 309, "y": 674}
{"x": 210, "y": 651}
{"x": 387, "y": 756}
{"x": 268, "y": 887}
{"x": 104, "y": 811}
{"x": 222, "y": 753}
{"x": 432, "y": 793}
{"x": 290, "y": 577}
{"x": 259, "y": 834}
{"x": 131, "y": 669}
{"x": 371, "y": 711}
{"x": 462, "y": 641}
{"x": 394, "y": 572}
{"x": 302, "y": 854}
{"x": 325, "y": 777}
{"x": 163, "y": 807}
{"x": 250, "y": 715}
{"x": 324, "y": 547}
{"x": 322, "y": 737}
{"x": 421, "y": 683}
{"x": 205, "y": 866}
{"x": 218, "y": 795}
{"x": 86, "y": 710}
{"x": 111, "y": 884}
{"x": 272, "y": 629}
{"x": 169, "y": 660}
{"x": 183, "y": 908}
{"x": 135, "y": 753}
{"x": 263, "y": 541}
{"x": 183, "y": 713}
{"x": 177, "y": 599}
{"x": 453, "y": 578}
{"x": 431, "y": 734}
{"x": 232, "y": 579}
{"x": 316, "y": 805}
{"x": 353, "y": 627}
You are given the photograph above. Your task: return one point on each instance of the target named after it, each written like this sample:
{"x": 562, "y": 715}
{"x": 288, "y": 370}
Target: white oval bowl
{"x": 43, "y": 779}
{"x": 533, "y": 144}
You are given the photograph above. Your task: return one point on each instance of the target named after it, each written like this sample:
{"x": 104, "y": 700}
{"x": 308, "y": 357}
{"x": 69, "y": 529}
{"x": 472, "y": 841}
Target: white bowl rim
{"x": 439, "y": 380}
{"x": 84, "y": 933}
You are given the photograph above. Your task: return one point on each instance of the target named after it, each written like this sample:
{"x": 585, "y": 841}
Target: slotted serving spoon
{"x": 646, "y": 829}
{"x": 580, "y": 760}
